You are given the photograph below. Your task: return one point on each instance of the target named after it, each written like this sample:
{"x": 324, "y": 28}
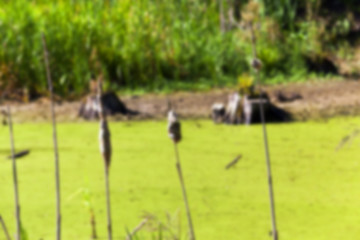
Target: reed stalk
{"x": 105, "y": 149}
{"x": 257, "y": 65}
{"x": 56, "y": 152}
{"x": 184, "y": 193}
{"x": 15, "y": 177}
{"x": 174, "y": 131}
{"x": 4, "y": 228}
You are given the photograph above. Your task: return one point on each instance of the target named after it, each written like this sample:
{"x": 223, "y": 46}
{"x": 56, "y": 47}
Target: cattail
{"x": 56, "y": 152}
{"x": 174, "y": 131}
{"x": 105, "y": 145}
{"x": 104, "y": 132}
{"x": 174, "y": 127}
{"x": 256, "y": 64}
{"x": 105, "y": 150}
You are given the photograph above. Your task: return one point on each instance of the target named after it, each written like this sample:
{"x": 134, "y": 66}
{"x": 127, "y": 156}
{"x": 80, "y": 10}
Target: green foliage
{"x": 133, "y": 43}
{"x": 157, "y": 44}
{"x": 284, "y": 11}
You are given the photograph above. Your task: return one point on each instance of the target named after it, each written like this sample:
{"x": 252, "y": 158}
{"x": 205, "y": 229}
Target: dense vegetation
{"x": 316, "y": 188}
{"x": 157, "y": 44}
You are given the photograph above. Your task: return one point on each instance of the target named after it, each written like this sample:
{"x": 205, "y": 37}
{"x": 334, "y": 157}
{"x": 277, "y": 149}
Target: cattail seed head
{"x": 256, "y": 63}
{"x": 105, "y": 142}
{"x": 104, "y": 132}
{"x": 174, "y": 127}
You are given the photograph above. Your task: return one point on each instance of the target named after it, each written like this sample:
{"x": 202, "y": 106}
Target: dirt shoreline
{"x": 320, "y": 100}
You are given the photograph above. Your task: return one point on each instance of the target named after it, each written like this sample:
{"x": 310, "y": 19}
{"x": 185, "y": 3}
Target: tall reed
{"x": 56, "y": 152}
{"x": 15, "y": 177}
{"x": 256, "y": 64}
{"x": 105, "y": 149}
{"x": 174, "y": 131}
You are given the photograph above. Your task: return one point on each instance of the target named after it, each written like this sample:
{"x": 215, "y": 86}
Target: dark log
{"x": 246, "y": 110}
{"x": 111, "y": 103}
{"x": 272, "y": 112}
{"x": 289, "y": 97}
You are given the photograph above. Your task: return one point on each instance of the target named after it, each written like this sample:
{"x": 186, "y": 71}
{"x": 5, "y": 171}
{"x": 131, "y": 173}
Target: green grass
{"x": 316, "y": 189}
{"x": 146, "y": 44}
{"x": 151, "y": 45}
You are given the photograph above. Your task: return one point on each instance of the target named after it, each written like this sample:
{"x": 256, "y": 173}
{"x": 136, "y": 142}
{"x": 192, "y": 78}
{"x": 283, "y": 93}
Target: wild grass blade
{"x": 4, "y": 228}
{"x": 184, "y": 193}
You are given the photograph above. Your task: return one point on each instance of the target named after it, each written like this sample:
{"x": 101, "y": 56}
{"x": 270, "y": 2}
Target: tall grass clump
{"x": 148, "y": 43}
{"x": 156, "y": 44}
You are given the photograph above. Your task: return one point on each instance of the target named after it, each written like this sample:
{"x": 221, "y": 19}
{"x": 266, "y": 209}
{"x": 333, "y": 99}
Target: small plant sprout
{"x": 174, "y": 131}
{"x": 56, "y": 152}
{"x": 16, "y": 186}
{"x": 88, "y": 203}
{"x": 105, "y": 150}
{"x": 251, "y": 18}
{"x": 4, "y": 228}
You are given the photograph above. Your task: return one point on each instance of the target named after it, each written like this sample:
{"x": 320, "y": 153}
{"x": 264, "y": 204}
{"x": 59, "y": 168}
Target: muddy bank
{"x": 318, "y": 100}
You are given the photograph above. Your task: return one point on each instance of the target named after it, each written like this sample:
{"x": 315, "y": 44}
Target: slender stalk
{"x": 108, "y": 204}
{"x": 4, "y": 228}
{"x": 105, "y": 149}
{"x": 266, "y": 145}
{"x": 221, "y": 16}
{"x": 188, "y": 213}
{"x": 93, "y": 224}
{"x": 253, "y": 41}
{"x": 56, "y": 153}
{"x": 16, "y": 189}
